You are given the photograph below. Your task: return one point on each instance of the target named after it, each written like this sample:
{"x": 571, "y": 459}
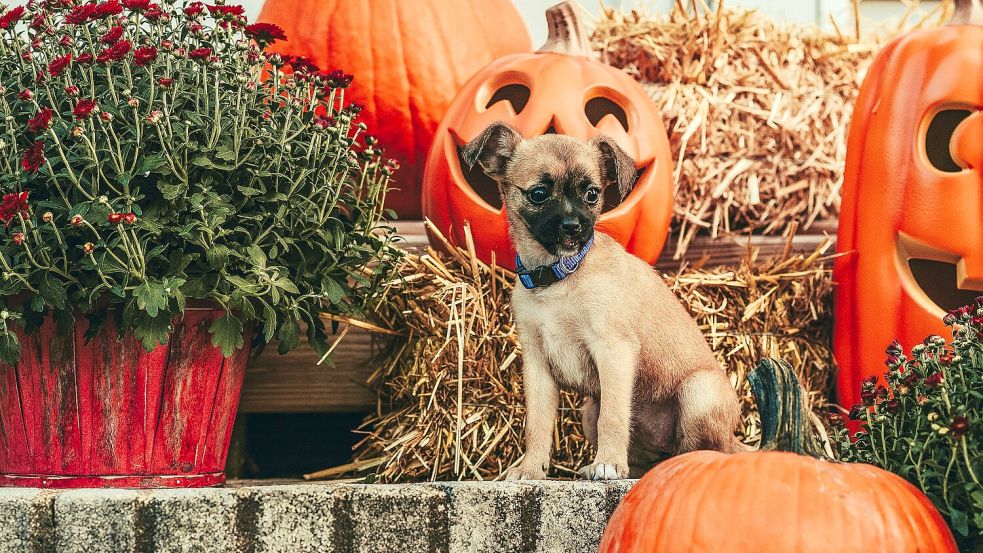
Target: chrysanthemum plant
{"x": 924, "y": 424}
{"x": 152, "y": 154}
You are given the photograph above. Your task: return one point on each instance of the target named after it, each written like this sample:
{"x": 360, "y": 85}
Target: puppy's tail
{"x": 787, "y": 423}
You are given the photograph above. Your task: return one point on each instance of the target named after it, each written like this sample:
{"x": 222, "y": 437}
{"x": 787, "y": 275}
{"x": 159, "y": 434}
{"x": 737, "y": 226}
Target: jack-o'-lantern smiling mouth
{"x": 931, "y": 276}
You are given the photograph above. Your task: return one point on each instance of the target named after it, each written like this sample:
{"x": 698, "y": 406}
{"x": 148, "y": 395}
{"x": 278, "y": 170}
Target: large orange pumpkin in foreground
{"x": 911, "y": 222}
{"x": 777, "y": 500}
{"x": 409, "y": 59}
{"x": 557, "y": 89}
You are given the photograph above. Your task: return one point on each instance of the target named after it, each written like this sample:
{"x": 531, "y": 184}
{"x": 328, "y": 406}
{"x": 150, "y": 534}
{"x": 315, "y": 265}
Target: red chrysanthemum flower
{"x": 112, "y": 35}
{"x": 33, "y": 157}
{"x": 85, "y": 58}
{"x": 136, "y": 4}
{"x": 223, "y": 11}
{"x": 13, "y": 204}
{"x": 115, "y": 52}
{"x": 144, "y": 56}
{"x": 153, "y": 13}
{"x": 265, "y": 33}
{"x": 194, "y": 9}
{"x": 84, "y": 108}
{"x": 959, "y": 427}
{"x": 339, "y": 79}
{"x": 66, "y": 41}
{"x": 934, "y": 380}
{"x": 25, "y": 94}
{"x": 39, "y": 21}
{"x": 200, "y": 53}
{"x": 106, "y": 9}
{"x": 40, "y": 122}
{"x": 301, "y": 64}
{"x": 79, "y": 14}
{"x": 58, "y": 65}
{"x": 165, "y": 82}
{"x": 9, "y": 19}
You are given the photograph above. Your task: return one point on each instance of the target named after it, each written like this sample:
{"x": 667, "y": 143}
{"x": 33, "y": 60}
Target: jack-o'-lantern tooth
{"x": 967, "y": 142}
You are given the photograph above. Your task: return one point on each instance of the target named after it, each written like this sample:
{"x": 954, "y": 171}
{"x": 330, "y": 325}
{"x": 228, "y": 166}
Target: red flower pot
{"x": 106, "y": 413}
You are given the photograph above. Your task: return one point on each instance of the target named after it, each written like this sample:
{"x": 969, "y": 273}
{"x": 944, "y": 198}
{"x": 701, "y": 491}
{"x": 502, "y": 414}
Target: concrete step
{"x": 548, "y": 516}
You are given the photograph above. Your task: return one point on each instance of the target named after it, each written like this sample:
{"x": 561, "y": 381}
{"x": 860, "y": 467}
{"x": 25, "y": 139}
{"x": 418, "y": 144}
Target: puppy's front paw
{"x": 524, "y": 472}
{"x": 604, "y": 471}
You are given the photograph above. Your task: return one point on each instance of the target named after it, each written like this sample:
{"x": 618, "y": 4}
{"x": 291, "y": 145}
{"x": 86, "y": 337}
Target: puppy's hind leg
{"x": 709, "y": 412}
{"x": 589, "y": 412}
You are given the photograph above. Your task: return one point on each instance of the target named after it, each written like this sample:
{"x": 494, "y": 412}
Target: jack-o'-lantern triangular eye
{"x": 938, "y": 139}
{"x": 515, "y": 94}
{"x": 597, "y": 108}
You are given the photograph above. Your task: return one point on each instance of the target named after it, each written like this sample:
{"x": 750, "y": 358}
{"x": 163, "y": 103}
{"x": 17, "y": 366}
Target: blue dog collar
{"x": 543, "y": 276}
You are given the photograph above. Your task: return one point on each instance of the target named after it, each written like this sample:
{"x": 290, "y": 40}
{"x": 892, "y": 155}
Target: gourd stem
{"x": 565, "y": 32}
{"x": 967, "y": 12}
{"x": 784, "y": 413}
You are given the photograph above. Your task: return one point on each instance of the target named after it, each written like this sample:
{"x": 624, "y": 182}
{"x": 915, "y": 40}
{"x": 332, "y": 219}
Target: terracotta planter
{"x": 106, "y": 413}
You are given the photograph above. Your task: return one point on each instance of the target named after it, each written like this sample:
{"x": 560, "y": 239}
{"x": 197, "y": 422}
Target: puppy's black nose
{"x": 570, "y": 224}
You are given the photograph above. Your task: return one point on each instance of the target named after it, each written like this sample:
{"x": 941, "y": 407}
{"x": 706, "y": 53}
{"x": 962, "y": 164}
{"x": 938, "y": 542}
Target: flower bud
{"x": 72, "y": 90}
{"x": 89, "y": 247}
{"x": 933, "y": 416}
{"x": 106, "y": 116}
{"x": 133, "y": 103}
{"x": 77, "y": 132}
{"x": 154, "y": 116}
{"x": 17, "y": 238}
{"x": 115, "y": 218}
{"x": 76, "y": 220}
{"x": 48, "y": 217}
{"x": 129, "y": 218}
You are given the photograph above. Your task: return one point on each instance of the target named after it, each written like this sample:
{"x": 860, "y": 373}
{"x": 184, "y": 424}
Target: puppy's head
{"x": 552, "y": 185}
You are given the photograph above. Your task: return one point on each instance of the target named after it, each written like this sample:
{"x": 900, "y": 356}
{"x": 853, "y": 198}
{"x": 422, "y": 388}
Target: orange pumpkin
{"x": 557, "y": 89}
{"x": 409, "y": 60}
{"x": 777, "y": 500}
{"x": 911, "y": 221}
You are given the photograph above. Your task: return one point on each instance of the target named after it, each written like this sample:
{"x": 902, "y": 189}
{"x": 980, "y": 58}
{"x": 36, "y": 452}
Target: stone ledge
{"x": 547, "y": 516}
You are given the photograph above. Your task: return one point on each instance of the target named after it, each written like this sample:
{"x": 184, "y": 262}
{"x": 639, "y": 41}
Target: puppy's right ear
{"x": 492, "y": 149}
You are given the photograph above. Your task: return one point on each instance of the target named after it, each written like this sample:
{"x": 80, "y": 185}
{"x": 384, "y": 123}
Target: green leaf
{"x": 226, "y": 334}
{"x": 243, "y": 284}
{"x": 53, "y": 291}
{"x": 151, "y": 297}
{"x": 286, "y": 285}
{"x": 151, "y": 163}
{"x": 9, "y": 347}
{"x": 288, "y": 337}
{"x": 152, "y": 331}
{"x": 218, "y": 256}
{"x": 257, "y": 255}
{"x": 171, "y": 190}
{"x": 334, "y": 290}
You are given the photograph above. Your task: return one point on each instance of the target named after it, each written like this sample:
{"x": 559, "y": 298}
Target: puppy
{"x": 595, "y": 319}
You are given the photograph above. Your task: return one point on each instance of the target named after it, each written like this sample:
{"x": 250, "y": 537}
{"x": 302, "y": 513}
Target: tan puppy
{"x": 610, "y": 329}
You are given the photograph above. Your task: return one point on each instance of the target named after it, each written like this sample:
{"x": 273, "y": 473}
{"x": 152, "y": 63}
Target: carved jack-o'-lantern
{"x": 557, "y": 89}
{"x": 911, "y": 223}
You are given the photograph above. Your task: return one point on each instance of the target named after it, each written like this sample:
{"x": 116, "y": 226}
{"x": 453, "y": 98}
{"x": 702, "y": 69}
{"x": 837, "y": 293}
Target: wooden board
{"x": 293, "y": 383}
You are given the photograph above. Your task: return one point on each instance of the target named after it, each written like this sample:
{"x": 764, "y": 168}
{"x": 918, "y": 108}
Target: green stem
{"x": 784, "y": 413}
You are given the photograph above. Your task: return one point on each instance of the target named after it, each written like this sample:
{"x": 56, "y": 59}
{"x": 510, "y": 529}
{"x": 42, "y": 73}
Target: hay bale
{"x": 757, "y": 113}
{"x": 451, "y": 404}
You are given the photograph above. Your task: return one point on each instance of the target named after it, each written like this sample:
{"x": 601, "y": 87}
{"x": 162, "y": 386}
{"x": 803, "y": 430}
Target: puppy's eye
{"x": 592, "y": 195}
{"x": 538, "y": 195}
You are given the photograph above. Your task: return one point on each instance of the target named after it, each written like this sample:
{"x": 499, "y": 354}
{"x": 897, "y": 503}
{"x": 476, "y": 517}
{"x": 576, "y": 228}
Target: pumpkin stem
{"x": 784, "y": 414}
{"x": 967, "y": 12}
{"x": 566, "y": 34}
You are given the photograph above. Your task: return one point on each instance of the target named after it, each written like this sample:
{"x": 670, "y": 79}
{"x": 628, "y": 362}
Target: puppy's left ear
{"x": 617, "y": 167}
{"x": 492, "y": 149}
